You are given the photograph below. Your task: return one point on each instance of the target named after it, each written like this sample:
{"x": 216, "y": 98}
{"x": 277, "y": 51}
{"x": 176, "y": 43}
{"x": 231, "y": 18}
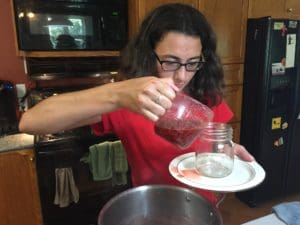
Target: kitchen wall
{"x": 11, "y": 66}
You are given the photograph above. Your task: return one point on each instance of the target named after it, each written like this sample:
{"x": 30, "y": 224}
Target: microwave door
{"x": 68, "y": 25}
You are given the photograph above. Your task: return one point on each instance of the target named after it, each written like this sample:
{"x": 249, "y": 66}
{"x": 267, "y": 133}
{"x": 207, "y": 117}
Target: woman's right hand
{"x": 148, "y": 96}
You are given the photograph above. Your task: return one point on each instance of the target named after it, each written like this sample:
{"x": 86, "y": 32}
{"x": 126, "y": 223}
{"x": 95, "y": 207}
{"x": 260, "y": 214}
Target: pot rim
{"x": 158, "y": 186}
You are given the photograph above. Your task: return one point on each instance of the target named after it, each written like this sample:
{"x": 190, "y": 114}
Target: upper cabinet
{"x": 228, "y": 19}
{"x": 276, "y": 9}
{"x": 140, "y": 8}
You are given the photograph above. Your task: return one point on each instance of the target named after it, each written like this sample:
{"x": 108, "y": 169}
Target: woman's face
{"x": 178, "y": 47}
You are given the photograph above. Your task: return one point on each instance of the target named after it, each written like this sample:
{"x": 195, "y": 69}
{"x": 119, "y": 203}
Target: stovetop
{"x": 68, "y": 137}
{"x": 37, "y": 95}
{"x": 81, "y": 133}
{"x": 75, "y": 139}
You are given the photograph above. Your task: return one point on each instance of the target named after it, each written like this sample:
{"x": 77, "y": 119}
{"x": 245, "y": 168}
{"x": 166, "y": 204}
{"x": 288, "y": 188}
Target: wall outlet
{"x": 21, "y": 92}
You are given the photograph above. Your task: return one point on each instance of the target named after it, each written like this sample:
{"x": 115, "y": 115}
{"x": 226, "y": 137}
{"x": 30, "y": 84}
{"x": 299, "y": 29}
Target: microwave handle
{"x": 101, "y": 28}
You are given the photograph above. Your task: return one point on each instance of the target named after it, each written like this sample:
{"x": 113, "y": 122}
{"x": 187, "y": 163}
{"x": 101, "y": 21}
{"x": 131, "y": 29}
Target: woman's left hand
{"x": 242, "y": 153}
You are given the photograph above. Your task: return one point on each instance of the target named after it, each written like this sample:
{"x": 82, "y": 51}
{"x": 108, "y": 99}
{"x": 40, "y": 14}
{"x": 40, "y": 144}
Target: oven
{"x": 65, "y": 150}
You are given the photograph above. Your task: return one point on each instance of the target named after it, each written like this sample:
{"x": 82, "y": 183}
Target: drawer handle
{"x": 290, "y": 10}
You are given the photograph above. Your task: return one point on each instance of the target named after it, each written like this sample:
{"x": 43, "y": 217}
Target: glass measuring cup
{"x": 182, "y": 123}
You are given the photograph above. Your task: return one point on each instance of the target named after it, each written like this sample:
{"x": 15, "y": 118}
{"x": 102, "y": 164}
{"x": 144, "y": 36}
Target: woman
{"x": 175, "y": 50}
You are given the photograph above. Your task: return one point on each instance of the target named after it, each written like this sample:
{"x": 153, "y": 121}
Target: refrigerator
{"x": 270, "y": 127}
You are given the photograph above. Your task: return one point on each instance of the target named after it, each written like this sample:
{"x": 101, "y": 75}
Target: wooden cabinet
{"x": 236, "y": 132}
{"x": 229, "y": 19}
{"x": 234, "y": 86}
{"x": 142, "y": 7}
{"x": 275, "y": 9}
{"x": 19, "y": 194}
{"x": 233, "y": 94}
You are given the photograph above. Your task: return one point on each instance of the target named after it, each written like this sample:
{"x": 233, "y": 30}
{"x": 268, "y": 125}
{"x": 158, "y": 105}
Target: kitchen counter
{"x": 268, "y": 219}
{"x": 16, "y": 142}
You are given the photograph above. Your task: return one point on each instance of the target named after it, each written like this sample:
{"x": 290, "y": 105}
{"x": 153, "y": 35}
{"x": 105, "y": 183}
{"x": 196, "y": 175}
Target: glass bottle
{"x": 214, "y": 153}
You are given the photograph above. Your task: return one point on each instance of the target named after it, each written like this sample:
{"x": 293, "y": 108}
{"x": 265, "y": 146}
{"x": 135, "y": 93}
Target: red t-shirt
{"x": 148, "y": 154}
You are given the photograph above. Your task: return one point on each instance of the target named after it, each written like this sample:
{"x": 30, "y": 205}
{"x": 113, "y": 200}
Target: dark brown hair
{"x": 138, "y": 59}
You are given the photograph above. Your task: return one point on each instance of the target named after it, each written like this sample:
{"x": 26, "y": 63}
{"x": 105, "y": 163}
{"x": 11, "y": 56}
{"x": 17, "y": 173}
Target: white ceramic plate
{"x": 245, "y": 175}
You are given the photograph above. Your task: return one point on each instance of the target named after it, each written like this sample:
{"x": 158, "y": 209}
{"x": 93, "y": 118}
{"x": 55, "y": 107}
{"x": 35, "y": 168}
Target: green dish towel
{"x": 99, "y": 161}
{"x": 107, "y": 160}
{"x": 119, "y": 163}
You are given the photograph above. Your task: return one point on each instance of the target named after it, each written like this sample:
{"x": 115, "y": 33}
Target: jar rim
{"x": 216, "y": 131}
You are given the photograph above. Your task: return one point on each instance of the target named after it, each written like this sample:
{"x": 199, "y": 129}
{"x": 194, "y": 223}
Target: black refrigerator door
{"x": 293, "y": 175}
{"x": 267, "y": 98}
{"x": 293, "y": 168}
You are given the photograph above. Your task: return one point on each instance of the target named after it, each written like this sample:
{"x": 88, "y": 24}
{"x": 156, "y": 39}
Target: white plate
{"x": 245, "y": 175}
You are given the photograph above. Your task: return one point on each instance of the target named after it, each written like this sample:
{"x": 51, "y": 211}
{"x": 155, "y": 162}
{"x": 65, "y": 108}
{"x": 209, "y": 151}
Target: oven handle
{"x": 49, "y": 153}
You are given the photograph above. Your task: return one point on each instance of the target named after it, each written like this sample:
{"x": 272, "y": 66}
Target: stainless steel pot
{"x": 159, "y": 205}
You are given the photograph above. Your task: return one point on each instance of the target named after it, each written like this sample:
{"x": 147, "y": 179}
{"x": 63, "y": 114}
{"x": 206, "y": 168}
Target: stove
{"x": 82, "y": 133}
{"x": 65, "y": 150}
{"x": 63, "y": 137}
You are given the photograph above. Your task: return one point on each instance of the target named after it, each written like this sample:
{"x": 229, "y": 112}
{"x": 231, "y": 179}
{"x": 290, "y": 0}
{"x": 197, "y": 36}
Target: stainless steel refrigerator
{"x": 270, "y": 127}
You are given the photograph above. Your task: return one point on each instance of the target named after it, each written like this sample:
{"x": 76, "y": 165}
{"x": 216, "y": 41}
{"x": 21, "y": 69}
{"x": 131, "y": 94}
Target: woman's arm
{"x": 75, "y": 109}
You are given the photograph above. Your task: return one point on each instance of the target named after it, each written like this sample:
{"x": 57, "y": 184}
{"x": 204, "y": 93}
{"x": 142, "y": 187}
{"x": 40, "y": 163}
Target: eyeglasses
{"x": 173, "y": 66}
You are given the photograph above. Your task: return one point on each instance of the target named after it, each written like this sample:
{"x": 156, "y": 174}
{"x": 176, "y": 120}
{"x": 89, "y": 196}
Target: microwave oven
{"x": 56, "y": 25}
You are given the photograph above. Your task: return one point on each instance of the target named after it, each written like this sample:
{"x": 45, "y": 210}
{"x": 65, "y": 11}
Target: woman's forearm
{"x": 70, "y": 110}
{"x": 80, "y": 108}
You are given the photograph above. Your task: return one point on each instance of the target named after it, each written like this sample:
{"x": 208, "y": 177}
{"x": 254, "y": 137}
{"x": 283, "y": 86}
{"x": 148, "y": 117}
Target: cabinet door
{"x": 233, "y": 74}
{"x": 236, "y": 132}
{"x": 142, "y": 7}
{"x": 19, "y": 195}
{"x": 276, "y": 9}
{"x": 259, "y": 8}
{"x": 233, "y": 95}
{"x": 292, "y": 7}
{"x": 229, "y": 19}
{"x": 233, "y": 90}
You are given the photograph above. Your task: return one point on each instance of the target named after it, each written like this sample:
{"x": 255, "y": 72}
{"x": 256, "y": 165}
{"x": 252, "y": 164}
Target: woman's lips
{"x": 180, "y": 86}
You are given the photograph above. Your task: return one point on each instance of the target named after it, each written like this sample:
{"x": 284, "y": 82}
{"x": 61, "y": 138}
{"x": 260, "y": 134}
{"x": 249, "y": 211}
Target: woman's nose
{"x": 180, "y": 74}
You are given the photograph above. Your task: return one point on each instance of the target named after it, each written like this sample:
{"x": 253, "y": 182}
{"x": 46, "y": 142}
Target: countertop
{"x": 268, "y": 219}
{"x": 16, "y": 142}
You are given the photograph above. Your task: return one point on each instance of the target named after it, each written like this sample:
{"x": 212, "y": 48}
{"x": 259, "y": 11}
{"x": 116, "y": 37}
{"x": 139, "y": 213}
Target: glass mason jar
{"x": 214, "y": 154}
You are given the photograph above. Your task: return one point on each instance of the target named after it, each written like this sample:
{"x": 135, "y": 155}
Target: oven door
{"x": 92, "y": 194}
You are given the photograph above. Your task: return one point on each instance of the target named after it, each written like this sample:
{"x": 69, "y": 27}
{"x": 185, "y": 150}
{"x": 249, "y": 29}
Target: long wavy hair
{"x": 137, "y": 58}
